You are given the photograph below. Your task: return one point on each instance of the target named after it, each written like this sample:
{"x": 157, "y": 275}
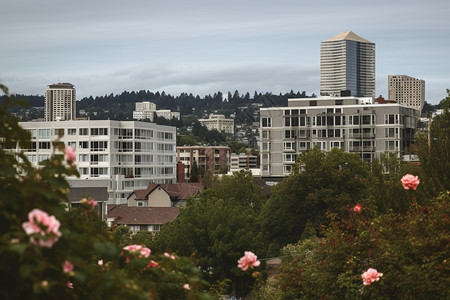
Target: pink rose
{"x": 186, "y": 286}
{"x": 152, "y": 264}
{"x": 92, "y": 203}
{"x": 371, "y": 275}
{"x": 357, "y": 208}
{"x": 248, "y": 260}
{"x": 39, "y": 222}
{"x": 410, "y": 182}
{"x": 143, "y": 251}
{"x": 69, "y": 155}
{"x": 169, "y": 255}
{"x": 69, "y": 285}
{"x": 67, "y": 266}
{"x": 100, "y": 262}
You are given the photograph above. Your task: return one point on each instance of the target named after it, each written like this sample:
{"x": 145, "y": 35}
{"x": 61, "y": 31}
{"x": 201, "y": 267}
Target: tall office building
{"x": 60, "y": 102}
{"x": 407, "y": 90}
{"x": 347, "y": 66}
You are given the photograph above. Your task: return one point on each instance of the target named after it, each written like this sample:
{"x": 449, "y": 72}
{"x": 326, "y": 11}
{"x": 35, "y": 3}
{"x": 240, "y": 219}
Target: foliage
{"x": 410, "y": 249}
{"x": 30, "y": 270}
{"x": 321, "y": 182}
{"x": 434, "y": 153}
{"x": 217, "y": 228}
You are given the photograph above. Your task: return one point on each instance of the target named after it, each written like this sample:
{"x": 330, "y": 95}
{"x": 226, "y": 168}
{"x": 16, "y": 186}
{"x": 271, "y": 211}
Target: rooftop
{"x": 349, "y": 36}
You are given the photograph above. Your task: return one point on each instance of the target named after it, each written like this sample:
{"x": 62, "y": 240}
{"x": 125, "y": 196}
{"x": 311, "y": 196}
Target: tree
{"x": 217, "y": 228}
{"x": 194, "y": 173}
{"x": 434, "y": 152}
{"x": 320, "y": 182}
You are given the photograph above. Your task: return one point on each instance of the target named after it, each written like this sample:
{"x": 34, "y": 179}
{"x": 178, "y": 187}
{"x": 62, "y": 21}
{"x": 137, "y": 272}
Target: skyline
{"x": 202, "y": 47}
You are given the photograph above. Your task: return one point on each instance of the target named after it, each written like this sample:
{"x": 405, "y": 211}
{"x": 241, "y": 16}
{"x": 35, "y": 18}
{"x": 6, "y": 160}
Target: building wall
{"x": 129, "y": 154}
{"x": 364, "y": 129}
{"x": 208, "y": 158}
{"x": 407, "y": 90}
{"x": 219, "y": 123}
{"x": 159, "y": 198}
{"x": 347, "y": 65}
{"x": 60, "y": 102}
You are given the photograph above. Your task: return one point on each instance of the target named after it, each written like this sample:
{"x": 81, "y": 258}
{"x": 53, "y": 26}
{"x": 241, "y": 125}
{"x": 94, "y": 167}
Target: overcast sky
{"x": 205, "y": 46}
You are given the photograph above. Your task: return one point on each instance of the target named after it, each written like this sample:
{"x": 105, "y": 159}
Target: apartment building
{"x": 355, "y": 125}
{"x": 60, "y": 102}
{"x": 347, "y": 66}
{"x": 147, "y": 110}
{"x": 207, "y": 158}
{"x": 219, "y": 123}
{"x": 128, "y": 155}
{"x": 407, "y": 90}
{"x": 243, "y": 161}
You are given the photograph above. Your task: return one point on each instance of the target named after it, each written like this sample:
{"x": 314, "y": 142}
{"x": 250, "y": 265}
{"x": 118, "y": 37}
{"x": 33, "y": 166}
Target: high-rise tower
{"x": 407, "y": 90}
{"x": 60, "y": 102}
{"x": 347, "y": 66}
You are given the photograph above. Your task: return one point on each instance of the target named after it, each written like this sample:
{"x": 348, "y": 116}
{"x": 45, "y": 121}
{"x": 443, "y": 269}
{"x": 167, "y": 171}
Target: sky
{"x": 205, "y": 46}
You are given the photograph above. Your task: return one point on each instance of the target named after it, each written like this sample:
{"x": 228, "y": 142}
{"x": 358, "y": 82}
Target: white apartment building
{"x": 219, "y": 123}
{"x": 407, "y": 90}
{"x": 243, "y": 161}
{"x": 128, "y": 154}
{"x": 347, "y": 66}
{"x": 60, "y": 102}
{"x": 352, "y": 124}
{"x": 147, "y": 110}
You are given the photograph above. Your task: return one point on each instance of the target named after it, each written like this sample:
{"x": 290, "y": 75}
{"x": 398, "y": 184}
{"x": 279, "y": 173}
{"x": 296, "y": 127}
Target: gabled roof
{"x": 143, "y": 215}
{"x": 99, "y": 194}
{"x": 348, "y": 35}
{"x": 176, "y": 191}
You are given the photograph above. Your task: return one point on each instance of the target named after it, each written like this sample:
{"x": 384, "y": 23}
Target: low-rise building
{"x": 243, "y": 161}
{"x": 147, "y": 111}
{"x": 207, "y": 158}
{"x": 219, "y": 123}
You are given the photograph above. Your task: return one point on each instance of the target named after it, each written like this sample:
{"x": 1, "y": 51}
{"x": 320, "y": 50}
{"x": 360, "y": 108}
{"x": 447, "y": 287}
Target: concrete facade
{"x": 128, "y": 154}
{"x": 349, "y": 123}
{"x": 407, "y": 90}
{"x": 347, "y": 65}
{"x": 208, "y": 158}
{"x": 60, "y": 102}
{"x": 219, "y": 123}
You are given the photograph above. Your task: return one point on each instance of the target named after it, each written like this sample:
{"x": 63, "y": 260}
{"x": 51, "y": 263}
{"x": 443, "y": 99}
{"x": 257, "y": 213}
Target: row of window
{"x": 120, "y": 132}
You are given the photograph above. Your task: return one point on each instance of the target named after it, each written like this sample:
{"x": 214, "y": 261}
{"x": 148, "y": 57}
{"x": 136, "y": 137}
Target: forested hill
{"x": 121, "y": 106}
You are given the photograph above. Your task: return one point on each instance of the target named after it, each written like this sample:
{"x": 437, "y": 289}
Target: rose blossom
{"x": 100, "y": 262}
{"x": 69, "y": 155}
{"x": 143, "y": 251}
{"x": 357, "y": 208}
{"x": 39, "y": 222}
{"x": 410, "y": 181}
{"x": 371, "y": 275}
{"x": 92, "y": 203}
{"x": 152, "y": 264}
{"x": 186, "y": 286}
{"x": 248, "y": 260}
{"x": 67, "y": 266}
{"x": 69, "y": 285}
{"x": 169, "y": 255}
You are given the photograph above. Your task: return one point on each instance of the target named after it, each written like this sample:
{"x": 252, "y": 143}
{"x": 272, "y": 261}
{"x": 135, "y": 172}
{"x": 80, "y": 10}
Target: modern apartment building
{"x": 219, "y": 123}
{"x": 355, "y": 125}
{"x": 207, "y": 158}
{"x": 60, "y": 102}
{"x": 243, "y": 161}
{"x": 347, "y": 66}
{"x": 147, "y": 110}
{"x": 128, "y": 155}
{"x": 407, "y": 90}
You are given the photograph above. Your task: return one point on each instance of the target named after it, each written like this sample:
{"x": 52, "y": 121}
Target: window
{"x": 83, "y": 145}
{"x": 313, "y": 103}
{"x": 97, "y": 172}
{"x": 44, "y": 145}
{"x": 391, "y": 119}
{"x": 83, "y": 131}
{"x": 335, "y": 144}
{"x": 71, "y": 131}
{"x": 288, "y": 157}
{"x": 99, "y": 131}
{"x": 266, "y": 134}
{"x": 389, "y": 132}
{"x": 366, "y": 119}
{"x": 266, "y": 146}
{"x": 287, "y": 169}
{"x": 99, "y": 145}
{"x": 43, "y": 134}
{"x": 83, "y": 157}
{"x": 266, "y": 122}
{"x": 289, "y": 145}
{"x": 303, "y": 145}
{"x": 72, "y": 144}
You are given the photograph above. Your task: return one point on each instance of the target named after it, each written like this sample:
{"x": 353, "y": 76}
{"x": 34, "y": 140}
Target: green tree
{"x": 194, "y": 173}
{"x": 217, "y": 228}
{"x": 320, "y": 182}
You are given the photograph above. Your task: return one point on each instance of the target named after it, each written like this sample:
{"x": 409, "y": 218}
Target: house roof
{"x": 176, "y": 191}
{"x": 143, "y": 215}
{"x": 348, "y": 35}
{"x": 76, "y": 194}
